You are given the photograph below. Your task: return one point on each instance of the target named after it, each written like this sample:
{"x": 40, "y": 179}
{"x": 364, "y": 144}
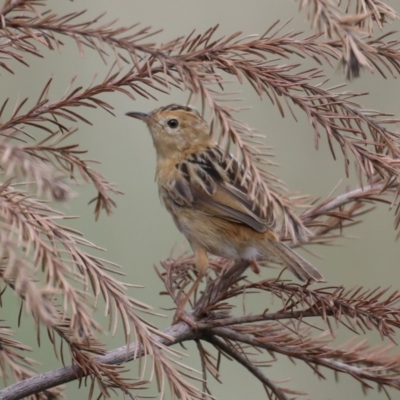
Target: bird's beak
{"x": 139, "y": 115}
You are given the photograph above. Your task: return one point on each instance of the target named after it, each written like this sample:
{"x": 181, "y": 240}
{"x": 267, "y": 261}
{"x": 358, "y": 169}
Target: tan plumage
{"x": 206, "y": 194}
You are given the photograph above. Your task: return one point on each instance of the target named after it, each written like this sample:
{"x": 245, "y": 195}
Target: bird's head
{"x": 175, "y": 129}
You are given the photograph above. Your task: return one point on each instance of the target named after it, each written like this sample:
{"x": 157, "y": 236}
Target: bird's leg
{"x": 180, "y": 311}
{"x": 201, "y": 261}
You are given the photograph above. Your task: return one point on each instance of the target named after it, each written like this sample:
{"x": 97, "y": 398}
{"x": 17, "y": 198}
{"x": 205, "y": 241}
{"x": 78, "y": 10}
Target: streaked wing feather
{"x": 205, "y": 184}
{"x": 229, "y": 209}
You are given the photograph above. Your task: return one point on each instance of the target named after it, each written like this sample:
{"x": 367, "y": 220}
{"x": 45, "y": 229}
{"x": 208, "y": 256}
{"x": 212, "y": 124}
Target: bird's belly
{"x": 250, "y": 253}
{"x": 237, "y": 252}
{"x": 217, "y": 237}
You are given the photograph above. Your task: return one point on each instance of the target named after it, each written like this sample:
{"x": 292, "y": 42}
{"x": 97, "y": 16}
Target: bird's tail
{"x": 300, "y": 267}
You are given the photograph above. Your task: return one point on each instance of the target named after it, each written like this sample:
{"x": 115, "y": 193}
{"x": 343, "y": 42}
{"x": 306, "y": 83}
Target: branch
{"x": 177, "y": 333}
{"x": 305, "y": 348}
{"x": 13, "y": 363}
{"x": 241, "y": 359}
{"x": 332, "y": 213}
{"x": 266, "y": 316}
{"x": 359, "y": 194}
{"x": 10, "y": 5}
{"x": 348, "y": 28}
{"x": 310, "y": 351}
{"x": 357, "y": 308}
{"x": 193, "y": 63}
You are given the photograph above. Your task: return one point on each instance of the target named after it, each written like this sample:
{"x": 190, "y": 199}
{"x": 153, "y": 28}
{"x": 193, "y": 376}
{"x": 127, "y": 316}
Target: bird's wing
{"x": 212, "y": 183}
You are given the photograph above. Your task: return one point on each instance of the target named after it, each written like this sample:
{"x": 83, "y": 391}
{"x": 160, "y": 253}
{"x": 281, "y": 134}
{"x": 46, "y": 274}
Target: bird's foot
{"x": 180, "y": 315}
{"x": 254, "y": 266}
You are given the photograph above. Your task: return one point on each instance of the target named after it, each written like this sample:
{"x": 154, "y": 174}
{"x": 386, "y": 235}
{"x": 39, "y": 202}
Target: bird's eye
{"x": 173, "y": 123}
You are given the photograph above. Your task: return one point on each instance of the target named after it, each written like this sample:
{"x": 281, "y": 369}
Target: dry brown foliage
{"x": 59, "y": 282}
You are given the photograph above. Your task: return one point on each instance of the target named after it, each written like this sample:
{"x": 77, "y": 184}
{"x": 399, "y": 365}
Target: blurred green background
{"x": 140, "y": 232}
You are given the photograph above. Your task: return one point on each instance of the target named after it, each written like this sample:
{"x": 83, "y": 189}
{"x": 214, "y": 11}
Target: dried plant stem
{"x": 328, "y": 18}
{"x": 10, "y": 5}
{"x": 192, "y": 64}
{"x": 267, "y": 316}
{"x": 362, "y": 374}
{"x": 343, "y": 199}
{"x": 174, "y": 334}
{"x": 243, "y": 360}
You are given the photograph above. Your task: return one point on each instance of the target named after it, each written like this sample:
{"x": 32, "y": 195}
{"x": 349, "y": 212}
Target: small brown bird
{"x": 204, "y": 192}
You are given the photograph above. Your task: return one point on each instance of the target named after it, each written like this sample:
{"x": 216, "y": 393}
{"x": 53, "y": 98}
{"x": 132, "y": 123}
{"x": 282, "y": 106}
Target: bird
{"x": 203, "y": 189}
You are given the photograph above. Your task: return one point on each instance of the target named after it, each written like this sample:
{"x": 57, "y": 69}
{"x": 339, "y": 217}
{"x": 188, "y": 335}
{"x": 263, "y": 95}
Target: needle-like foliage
{"x": 59, "y": 281}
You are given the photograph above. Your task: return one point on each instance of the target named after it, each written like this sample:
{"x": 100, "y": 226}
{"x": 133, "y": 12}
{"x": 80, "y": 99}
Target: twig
{"x": 246, "y": 319}
{"x": 200, "y": 349}
{"x": 361, "y": 374}
{"x": 10, "y": 5}
{"x": 345, "y": 198}
{"x": 217, "y": 288}
{"x": 220, "y": 345}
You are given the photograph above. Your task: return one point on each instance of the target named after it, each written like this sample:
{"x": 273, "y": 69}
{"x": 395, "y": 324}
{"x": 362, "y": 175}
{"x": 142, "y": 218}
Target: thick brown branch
{"x": 177, "y": 333}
